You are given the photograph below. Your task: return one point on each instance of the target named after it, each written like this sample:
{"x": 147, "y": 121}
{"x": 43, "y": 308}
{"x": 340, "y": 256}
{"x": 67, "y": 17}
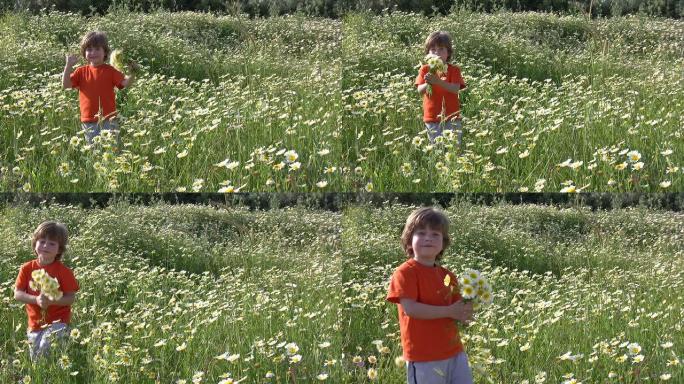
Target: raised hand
{"x": 71, "y": 60}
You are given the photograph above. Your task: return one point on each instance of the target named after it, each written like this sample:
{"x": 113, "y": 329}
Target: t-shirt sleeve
{"x": 117, "y": 78}
{"x": 457, "y": 78}
{"x": 68, "y": 282}
{"x": 420, "y": 79}
{"x": 404, "y": 285}
{"x": 23, "y": 278}
{"x": 75, "y": 78}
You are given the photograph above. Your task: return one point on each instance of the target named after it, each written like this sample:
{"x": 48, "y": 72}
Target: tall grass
{"x": 573, "y": 288}
{"x": 301, "y": 104}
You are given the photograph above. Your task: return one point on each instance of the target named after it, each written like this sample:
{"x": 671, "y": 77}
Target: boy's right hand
{"x": 71, "y": 60}
{"x": 43, "y": 301}
{"x": 462, "y": 311}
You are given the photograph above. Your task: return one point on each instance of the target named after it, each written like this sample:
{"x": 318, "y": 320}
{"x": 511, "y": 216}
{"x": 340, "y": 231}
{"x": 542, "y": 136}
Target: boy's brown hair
{"x": 423, "y": 218}
{"x": 440, "y": 39}
{"x": 53, "y": 231}
{"x": 96, "y": 39}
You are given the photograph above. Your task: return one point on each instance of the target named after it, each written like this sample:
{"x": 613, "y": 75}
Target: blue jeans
{"x": 454, "y": 370}
{"x": 93, "y": 130}
{"x": 435, "y": 130}
{"x": 40, "y": 341}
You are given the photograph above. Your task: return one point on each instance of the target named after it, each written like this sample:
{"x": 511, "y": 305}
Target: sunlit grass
{"x": 572, "y": 290}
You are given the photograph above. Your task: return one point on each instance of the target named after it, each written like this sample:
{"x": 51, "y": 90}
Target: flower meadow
{"x": 220, "y": 103}
{"x": 553, "y": 104}
{"x": 184, "y": 294}
{"x": 200, "y": 294}
{"x": 294, "y": 103}
{"x": 578, "y": 296}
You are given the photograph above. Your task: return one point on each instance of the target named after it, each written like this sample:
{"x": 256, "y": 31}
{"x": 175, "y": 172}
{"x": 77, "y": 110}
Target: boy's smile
{"x": 95, "y": 55}
{"x": 46, "y": 250}
{"x": 426, "y": 244}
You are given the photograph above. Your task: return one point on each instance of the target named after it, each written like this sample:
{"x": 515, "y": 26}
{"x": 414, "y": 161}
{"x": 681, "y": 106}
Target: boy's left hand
{"x": 43, "y": 301}
{"x": 133, "y": 67}
{"x": 432, "y": 79}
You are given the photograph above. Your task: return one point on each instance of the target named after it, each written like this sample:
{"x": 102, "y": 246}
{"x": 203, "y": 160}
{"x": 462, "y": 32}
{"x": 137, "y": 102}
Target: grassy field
{"x": 222, "y": 102}
{"x": 552, "y": 102}
{"x": 572, "y": 290}
{"x": 173, "y": 293}
{"x": 227, "y": 103}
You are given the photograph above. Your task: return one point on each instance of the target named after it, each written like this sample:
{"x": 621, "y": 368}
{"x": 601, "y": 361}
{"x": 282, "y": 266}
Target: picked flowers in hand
{"x": 473, "y": 286}
{"x": 45, "y": 284}
{"x": 435, "y": 66}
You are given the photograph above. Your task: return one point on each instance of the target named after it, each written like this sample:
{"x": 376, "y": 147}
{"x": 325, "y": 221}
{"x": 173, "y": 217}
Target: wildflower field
{"x": 553, "y": 103}
{"x": 181, "y": 294}
{"x": 177, "y": 294}
{"x": 222, "y": 103}
{"x": 295, "y": 103}
{"x": 579, "y": 296}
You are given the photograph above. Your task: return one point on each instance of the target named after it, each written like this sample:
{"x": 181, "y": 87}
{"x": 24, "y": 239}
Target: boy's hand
{"x": 71, "y": 60}
{"x": 43, "y": 301}
{"x": 133, "y": 67}
{"x": 462, "y": 311}
{"x": 432, "y": 79}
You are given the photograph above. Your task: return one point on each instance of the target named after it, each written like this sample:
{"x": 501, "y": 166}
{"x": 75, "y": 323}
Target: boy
{"x": 95, "y": 83}
{"x": 47, "y": 319}
{"x": 444, "y": 103}
{"x": 427, "y": 309}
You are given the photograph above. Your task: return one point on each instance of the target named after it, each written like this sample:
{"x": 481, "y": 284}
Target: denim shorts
{"x": 92, "y": 130}
{"x": 454, "y": 370}
{"x": 434, "y": 130}
{"x": 40, "y": 341}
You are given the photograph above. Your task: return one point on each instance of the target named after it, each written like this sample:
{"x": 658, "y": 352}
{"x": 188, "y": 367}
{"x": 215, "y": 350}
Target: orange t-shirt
{"x": 422, "y": 339}
{"x": 432, "y": 105}
{"x": 67, "y": 284}
{"x": 96, "y": 87}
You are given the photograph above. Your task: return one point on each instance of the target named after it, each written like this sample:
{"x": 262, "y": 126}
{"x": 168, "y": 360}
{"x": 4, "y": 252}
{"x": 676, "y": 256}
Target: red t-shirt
{"x": 432, "y": 105}
{"x": 96, "y": 87}
{"x": 421, "y": 339}
{"x": 67, "y": 284}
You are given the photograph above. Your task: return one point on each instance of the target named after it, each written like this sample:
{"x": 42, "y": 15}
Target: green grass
{"x": 216, "y": 90}
{"x": 156, "y": 278}
{"x": 564, "y": 280}
{"x": 166, "y": 289}
{"x": 542, "y": 89}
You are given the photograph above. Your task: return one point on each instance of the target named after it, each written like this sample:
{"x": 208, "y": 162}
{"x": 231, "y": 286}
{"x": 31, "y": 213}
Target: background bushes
{"x": 336, "y": 8}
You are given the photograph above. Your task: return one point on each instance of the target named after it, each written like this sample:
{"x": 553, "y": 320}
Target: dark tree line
{"x": 337, "y": 8}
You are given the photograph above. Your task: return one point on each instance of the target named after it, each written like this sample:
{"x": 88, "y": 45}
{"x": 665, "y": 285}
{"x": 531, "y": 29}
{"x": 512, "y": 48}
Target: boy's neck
{"x": 96, "y": 65}
{"x": 45, "y": 265}
{"x": 427, "y": 263}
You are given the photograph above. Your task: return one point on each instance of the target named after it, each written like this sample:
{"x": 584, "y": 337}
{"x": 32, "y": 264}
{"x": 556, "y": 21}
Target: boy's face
{"x": 440, "y": 51}
{"x": 47, "y": 250}
{"x": 95, "y": 55}
{"x": 426, "y": 244}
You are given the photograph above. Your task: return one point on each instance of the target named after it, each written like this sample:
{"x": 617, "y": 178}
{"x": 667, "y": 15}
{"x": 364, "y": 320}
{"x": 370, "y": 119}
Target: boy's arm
{"x": 422, "y": 88}
{"x": 24, "y": 297}
{"x": 133, "y": 67}
{"x": 127, "y": 81}
{"x": 450, "y": 87}
{"x": 459, "y": 310}
{"x": 66, "y": 76}
{"x": 67, "y": 298}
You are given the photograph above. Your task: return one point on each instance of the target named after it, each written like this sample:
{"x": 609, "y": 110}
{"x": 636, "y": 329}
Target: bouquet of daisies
{"x": 435, "y": 66}
{"x": 46, "y": 285}
{"x": 121, "y": 62}
{"x": 473, "y": 286}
